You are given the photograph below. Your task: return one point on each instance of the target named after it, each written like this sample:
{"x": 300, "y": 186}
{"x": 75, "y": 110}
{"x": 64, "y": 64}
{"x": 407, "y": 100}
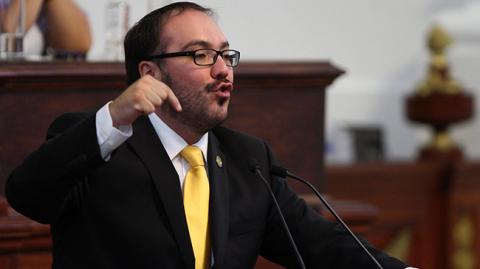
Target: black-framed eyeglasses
{"x": 205, "y": 57}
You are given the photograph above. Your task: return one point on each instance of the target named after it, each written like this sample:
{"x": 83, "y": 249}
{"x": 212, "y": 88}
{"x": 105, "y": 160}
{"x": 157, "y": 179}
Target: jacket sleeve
{"x": 51, "y": 177}
{"x": 321, "y": 243}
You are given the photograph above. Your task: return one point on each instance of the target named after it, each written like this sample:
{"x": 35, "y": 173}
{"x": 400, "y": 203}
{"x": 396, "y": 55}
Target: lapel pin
{"x": 219, "y": 161}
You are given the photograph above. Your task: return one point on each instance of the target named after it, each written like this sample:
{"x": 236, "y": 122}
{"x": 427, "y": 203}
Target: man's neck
{"x": 188, "y": 133}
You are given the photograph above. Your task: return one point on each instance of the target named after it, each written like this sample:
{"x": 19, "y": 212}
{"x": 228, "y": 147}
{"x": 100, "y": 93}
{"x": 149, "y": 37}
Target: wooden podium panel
{"x": 280, "y": 102}
{"x": 33, "y": 94}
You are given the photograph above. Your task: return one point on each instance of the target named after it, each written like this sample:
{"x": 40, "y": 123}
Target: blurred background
{"x": 380, "y": 44}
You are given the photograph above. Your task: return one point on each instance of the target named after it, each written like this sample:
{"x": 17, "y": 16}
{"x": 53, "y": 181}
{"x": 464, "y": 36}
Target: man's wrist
{"x": 109, "y": 137}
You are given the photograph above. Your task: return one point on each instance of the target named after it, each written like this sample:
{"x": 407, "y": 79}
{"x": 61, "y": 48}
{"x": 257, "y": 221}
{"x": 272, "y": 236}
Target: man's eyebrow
{"x": 204, "y": 44}
{"x": 225, "y": 45}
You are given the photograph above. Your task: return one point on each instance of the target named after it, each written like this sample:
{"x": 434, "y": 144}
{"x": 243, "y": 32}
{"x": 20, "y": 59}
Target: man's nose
{"x": 220, "y": 70}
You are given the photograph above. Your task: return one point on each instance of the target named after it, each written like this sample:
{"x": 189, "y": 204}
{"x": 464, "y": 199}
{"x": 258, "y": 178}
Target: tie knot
{"x": 193, "y": 155}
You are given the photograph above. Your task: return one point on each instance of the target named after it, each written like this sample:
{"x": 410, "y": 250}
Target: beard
{"x": 199, "y": 112}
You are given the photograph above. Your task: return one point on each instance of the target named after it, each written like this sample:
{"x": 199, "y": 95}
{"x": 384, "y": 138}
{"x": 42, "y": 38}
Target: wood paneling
{"x": 438, "y": 202}
{"x": 408, "y": 196}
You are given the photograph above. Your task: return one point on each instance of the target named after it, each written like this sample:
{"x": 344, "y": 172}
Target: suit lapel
{"x": 150, "y": 150}
{"x": 219, "y": 202}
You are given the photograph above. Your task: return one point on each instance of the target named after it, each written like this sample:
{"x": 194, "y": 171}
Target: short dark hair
{"x": 142, "y": 39}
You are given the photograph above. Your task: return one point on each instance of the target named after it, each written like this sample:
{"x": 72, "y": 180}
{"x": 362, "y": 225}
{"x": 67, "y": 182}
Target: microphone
{"x": 255, "y": 168}
{"x": 284, "y": 173}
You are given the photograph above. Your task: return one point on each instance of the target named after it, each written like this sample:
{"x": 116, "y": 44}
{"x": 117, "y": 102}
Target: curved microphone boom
{"x": 284, "y": 173}
{"x": 255, "y": 168}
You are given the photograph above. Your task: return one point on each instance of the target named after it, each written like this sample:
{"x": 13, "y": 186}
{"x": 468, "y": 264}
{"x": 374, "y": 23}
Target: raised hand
{"x": 142, "y": 98}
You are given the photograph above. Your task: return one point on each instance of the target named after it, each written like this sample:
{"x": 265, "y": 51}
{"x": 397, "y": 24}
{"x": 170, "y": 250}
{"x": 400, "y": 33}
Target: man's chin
{"x": 219, "y": 117}
{"x": 220, "y": 109}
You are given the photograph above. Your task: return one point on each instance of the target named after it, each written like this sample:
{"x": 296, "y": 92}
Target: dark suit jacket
{"x": 128, "y": 212}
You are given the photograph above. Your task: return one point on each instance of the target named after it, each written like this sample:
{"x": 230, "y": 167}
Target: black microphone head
{"x": 278, "y": 171}
{"x": 253, "y": 164}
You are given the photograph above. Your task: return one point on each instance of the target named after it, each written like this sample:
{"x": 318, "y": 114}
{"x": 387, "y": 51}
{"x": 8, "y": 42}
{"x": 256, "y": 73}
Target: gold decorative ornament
{"x": 438, "y": 78}
{"x": 439, "y": 100}
{"x": 464, "y": 253}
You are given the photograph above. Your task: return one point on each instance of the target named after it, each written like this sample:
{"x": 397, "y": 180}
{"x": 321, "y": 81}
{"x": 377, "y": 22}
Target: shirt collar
{"x": 172, "y": 142}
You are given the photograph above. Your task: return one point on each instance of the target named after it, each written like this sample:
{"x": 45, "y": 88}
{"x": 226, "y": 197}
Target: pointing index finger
{"x": 173, "y": 100}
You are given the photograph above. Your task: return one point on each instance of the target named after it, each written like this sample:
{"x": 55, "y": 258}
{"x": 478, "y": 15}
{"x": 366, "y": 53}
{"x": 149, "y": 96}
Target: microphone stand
{"x": 282, "y": 172}
{"x": 255, "y": 168}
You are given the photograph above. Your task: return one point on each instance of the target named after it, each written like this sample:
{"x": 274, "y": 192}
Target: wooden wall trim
{"x": 65, "y": 75}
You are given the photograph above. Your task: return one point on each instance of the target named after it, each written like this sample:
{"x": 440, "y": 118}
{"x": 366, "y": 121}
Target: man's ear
{"x": 149, "y": 68}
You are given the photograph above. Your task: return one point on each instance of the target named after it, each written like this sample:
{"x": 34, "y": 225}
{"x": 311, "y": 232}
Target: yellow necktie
{"x": 196, "y": 194}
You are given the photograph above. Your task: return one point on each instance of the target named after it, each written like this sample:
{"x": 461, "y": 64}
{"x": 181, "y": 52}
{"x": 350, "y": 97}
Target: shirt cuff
{"x": 109, "y": 137}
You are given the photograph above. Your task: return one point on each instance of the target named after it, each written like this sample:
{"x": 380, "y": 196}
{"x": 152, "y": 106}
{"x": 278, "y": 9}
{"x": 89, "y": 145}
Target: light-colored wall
{"x": 380, "y": 43}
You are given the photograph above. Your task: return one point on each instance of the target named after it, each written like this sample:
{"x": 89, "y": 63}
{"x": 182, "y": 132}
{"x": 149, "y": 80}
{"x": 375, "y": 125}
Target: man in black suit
{"x": 112, "y": 183}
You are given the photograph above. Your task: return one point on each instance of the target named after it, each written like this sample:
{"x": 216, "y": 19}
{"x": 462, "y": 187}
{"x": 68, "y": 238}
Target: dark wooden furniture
{"x": 23, "y": 244}
{"x": 33, "y": 94}
{"x": 280, "y": 102}
{"x": 409, "y": 198}
{"x": 430, "y": 210}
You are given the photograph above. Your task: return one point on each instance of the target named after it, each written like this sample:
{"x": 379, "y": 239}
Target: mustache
{"x": 226, "y": 80}
{"x": 212, "y": 85}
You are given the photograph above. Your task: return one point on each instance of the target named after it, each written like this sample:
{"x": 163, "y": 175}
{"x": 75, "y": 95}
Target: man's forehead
{"x": 204, "y": 44}
{"x": 190, "y": 28}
